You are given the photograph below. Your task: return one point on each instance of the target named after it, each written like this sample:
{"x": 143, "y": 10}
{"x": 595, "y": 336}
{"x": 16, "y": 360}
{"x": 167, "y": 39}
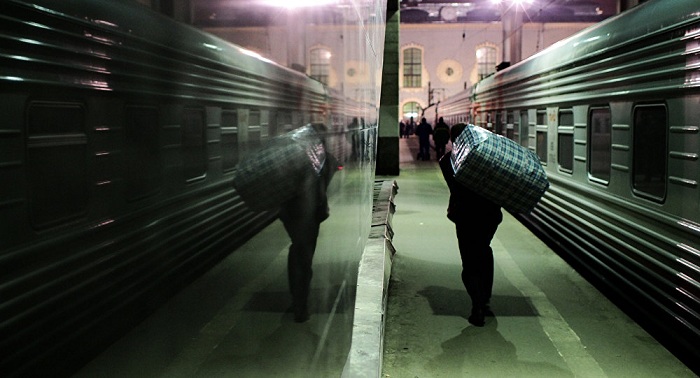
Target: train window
{"x": 511, "y": 128}
{"x": 56, "y": 162}
{"x": 542, "y": 117}
{"x": 284, "y": 121}
{"x": 272, "y": 119}
{"x": 254, "y": 118}
{"x": 600, "y": 144}
{"x": 194, "y": 154}
{"x": 141, "y": 152}
{"x": 498, "y": 123}
{"x": 566, "y": 151}
{"x": 649, "y": 151}
{"x": 254, "y": 130}
{"x": 229, "y": 139}
{"x": 483, "y": 119}
{"x": 542, "y": 146}
{"x": 566, "y": 117}
{"x": 297, "y": 119}
{"x": 524, "y": 128}
{"x": 229, "y": 118}
{"x": 565, "y": 142}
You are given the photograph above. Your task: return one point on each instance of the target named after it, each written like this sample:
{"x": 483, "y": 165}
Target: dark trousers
{"x": 303, "y": 230}
{"x": 474, "y": 239}
{"x": 424, "y": 150}
{"x": 439, "y": 150}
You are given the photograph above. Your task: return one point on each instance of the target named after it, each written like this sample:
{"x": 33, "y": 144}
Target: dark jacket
{"x": 424, "y": 130}
{"x": 441, "y": 133}
{"x": 311, "y": 202}
{"x": 465, "y": 205}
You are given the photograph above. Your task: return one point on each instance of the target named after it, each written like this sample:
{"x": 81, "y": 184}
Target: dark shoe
{"x": 301, "y": 315}
{"x": 477, "y": 317}
{"x": 487, "y": 311}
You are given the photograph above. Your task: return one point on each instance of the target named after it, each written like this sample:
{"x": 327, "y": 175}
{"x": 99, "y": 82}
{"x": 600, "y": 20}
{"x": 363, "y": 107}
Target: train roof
{"x": 655, "y": 16}
{"x": 130, "y": 19}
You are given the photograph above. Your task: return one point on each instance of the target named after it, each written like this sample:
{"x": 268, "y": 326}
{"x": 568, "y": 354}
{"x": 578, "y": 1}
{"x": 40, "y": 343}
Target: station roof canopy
{"x": 243, "y": 13}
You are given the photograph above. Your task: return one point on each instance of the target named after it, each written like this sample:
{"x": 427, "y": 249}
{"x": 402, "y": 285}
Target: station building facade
{"x": 435, "y": 60}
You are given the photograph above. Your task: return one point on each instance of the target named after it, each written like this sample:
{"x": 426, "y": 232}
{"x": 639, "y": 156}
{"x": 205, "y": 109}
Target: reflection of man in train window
{"x": 302, "y": 216}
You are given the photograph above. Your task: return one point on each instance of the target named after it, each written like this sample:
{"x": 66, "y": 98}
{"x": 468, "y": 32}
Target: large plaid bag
{"x": 498, "y": 169}
{"x": 280, "y": 169}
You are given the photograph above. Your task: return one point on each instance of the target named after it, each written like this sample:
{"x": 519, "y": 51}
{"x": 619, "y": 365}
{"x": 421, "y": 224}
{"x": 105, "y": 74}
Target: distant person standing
{"x": 441, "y": 135}
{"x": 476, "y": 220}
{"x": 402, "y": 129}
{"x": 424, "y": 131}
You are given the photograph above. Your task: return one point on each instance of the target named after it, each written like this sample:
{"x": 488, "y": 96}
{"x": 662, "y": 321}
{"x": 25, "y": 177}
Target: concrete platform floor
{"x": 549, "y": 321}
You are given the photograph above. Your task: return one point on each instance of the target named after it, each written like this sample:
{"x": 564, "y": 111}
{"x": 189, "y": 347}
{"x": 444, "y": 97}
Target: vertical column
{"x": 388, "y": 141}
{"x": 512, "y": 19}
{"x": 296, "y": 40}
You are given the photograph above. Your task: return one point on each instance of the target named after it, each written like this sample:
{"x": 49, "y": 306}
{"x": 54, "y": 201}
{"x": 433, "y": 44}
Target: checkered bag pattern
{"x": 498, "y": 169}
{"x": 279, "y": 170}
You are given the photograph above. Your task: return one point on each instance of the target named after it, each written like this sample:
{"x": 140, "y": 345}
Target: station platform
{"x": 549, "y": 322}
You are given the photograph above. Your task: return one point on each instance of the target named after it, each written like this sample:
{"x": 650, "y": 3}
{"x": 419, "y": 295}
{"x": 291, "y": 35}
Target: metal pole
{"x": 512, "y": 21}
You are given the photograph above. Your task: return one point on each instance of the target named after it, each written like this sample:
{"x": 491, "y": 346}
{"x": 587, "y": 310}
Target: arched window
{"x": 486, "y": 61}
{"x": 320, "y": 62}
{"x": 411, "y": 109}
{"x": 412, "y": 67}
